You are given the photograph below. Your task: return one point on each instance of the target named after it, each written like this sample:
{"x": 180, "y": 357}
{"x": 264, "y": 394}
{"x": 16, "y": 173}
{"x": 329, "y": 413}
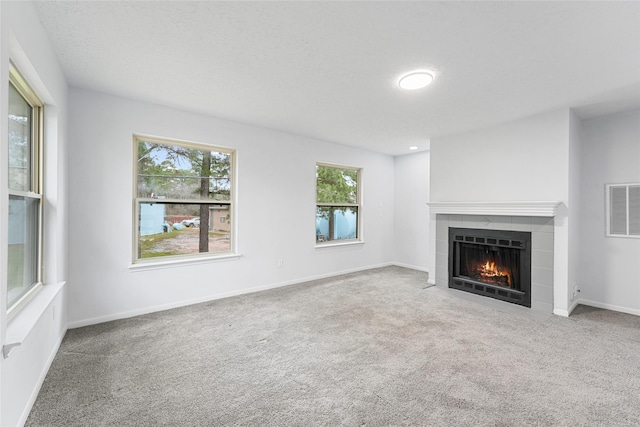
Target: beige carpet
{"x": 367, "y": 349}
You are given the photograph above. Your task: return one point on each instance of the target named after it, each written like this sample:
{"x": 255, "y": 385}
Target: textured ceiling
{"x": 329, "y": 69}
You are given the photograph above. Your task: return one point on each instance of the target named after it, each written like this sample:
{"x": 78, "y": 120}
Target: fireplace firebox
{"x": 492, "y": 263}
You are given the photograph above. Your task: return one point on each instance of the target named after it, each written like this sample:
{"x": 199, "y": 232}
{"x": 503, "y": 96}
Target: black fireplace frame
{"x": 518, "y": 240}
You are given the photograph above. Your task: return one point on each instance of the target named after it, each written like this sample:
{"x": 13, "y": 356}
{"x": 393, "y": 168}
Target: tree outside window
{"x": 180, "y": 189}
{"x": 337, "y": 203}
{"x": 24, "y": 228}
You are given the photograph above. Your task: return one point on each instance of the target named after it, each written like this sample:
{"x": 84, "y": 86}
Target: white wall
{"x": 524, "y": 160}
{"x": 521, "y": 160}
{"x": 276, "y": 210}
{"x": 609, "y": 266}
{"x": 411, "y": 225}
{"x": 39, "y": 327}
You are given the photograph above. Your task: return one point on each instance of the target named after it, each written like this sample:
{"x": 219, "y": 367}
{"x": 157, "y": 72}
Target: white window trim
{"x": 184, "y": 260}
{"x": 139, "y": 264}
{"x": 332, "y": 243}
{"x": 37, "y": 158}
{"x": 359, "y": 231}
{"x": 608, "y": 210}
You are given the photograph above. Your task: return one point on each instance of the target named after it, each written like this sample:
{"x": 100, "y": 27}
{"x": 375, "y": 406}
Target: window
{"x": 24, "y": 267}
{"x": 180, "y": 189}
{"x": 623, "y": 210}
{"x": 337, "y": 203}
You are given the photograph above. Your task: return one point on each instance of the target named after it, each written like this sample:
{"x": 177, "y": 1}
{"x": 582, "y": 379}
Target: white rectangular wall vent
{"x": 623, "y": 210}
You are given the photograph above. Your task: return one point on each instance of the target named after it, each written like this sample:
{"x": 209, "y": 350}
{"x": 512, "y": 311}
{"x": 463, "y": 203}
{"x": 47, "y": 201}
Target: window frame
{"x": 36, "y": 186}
{"x": 358, "y": 205}
{"x": 169, "y": 260}
{"x": 608, "y": 212}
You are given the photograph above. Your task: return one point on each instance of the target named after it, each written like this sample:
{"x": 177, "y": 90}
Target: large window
{"x": 337, "y": 203}
{"x": 24, "y": 228}
{"x": 182, "y": 190}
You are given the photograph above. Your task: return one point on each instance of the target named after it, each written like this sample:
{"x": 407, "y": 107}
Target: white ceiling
{"x": 328, "y": 70}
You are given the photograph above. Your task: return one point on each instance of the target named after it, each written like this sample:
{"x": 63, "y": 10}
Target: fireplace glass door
{"x": 490, "y": 264}
{"x": 493, "y": 263}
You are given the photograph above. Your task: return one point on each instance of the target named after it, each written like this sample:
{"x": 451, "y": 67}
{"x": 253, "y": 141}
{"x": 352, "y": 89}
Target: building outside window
{"x": 337, "y": 203}
{"x": 180, "y": 191}
{"x": 24, "y": 228}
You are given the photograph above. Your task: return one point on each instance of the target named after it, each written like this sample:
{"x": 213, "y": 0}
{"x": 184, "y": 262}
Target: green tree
{"x": 336, "y": 189}
{"x": 178, "y": 172}
{"x": 205, "y": 173}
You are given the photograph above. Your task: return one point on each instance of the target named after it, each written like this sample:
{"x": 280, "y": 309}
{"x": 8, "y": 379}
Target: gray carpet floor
{"x": 376, "y": 348}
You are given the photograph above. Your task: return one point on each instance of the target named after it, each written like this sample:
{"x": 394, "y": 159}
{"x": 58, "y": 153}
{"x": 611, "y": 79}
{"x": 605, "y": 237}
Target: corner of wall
{"x": 574, "y": 207}
{"x": 411, "y": 233}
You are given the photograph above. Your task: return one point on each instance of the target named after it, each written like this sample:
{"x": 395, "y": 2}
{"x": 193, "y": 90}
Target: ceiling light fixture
{"x": 415, "y": 80}
{"x": 413, "y": 147}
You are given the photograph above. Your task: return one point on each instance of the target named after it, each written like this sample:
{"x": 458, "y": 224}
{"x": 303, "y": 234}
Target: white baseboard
{"x": 567, "y": 312}
{"x": 572, "y": 307}
{"x": 412, "y": 267}
{"x": 611, "y": 307}
{"x": 183, "y": 303}
{"x": 43, "y": 375}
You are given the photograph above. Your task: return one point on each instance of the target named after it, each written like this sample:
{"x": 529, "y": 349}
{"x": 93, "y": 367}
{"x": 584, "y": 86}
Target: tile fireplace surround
{"x": 534, "y": 217}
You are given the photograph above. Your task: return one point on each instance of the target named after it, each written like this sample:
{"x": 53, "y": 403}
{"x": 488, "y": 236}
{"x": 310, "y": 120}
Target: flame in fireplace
{"x": 491, "y": 272}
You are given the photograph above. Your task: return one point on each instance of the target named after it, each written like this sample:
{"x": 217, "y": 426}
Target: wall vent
{"x": 623, "y": 210}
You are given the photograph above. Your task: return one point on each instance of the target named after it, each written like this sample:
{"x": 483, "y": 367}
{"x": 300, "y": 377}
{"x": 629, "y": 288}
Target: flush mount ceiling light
{"x": 413, "y": 148}
{"x": 415, "y": 80}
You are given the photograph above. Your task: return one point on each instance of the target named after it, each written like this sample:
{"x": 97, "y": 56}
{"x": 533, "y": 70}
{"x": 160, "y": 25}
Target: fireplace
{"x": 492, "y": 263}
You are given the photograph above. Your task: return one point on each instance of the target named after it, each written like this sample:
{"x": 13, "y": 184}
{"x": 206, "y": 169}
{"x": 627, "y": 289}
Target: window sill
{"x": 624, "y": 236}
{"x": 334, "y": 244}
{"x": 155, "y": 265}
{"x": 26, "y": 318}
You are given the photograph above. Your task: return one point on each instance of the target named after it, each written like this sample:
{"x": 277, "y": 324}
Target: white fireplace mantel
{"x": 529, "y": 208}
